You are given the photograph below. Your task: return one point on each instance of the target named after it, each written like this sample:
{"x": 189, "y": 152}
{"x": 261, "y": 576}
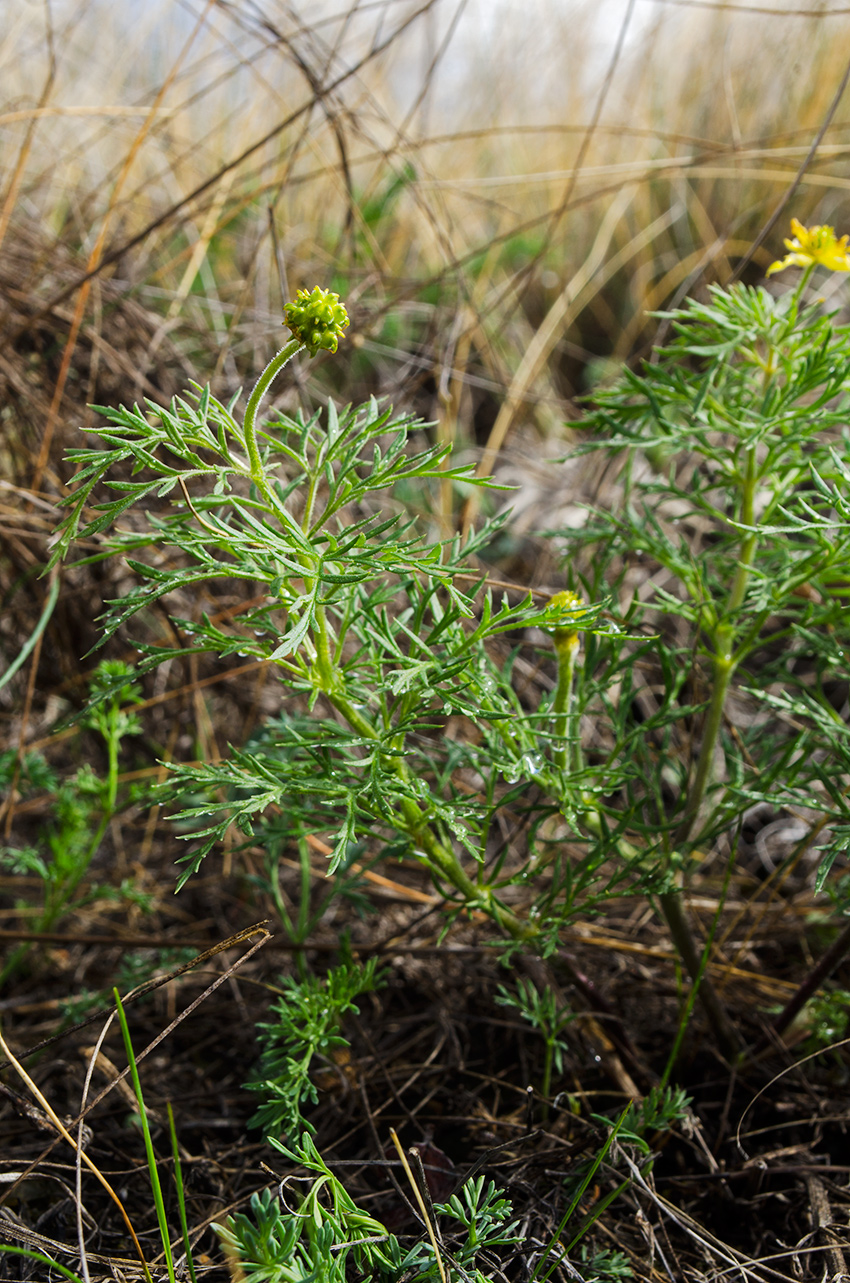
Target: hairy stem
{"x": 249, "y": 423}
{"x": 439, "y": 857}
{"x": 721, "y": 676}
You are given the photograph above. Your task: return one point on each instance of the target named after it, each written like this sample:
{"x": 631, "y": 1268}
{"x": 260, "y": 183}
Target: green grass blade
{"x": 181, "y": 1200}
{"x": 39, "y": 1256}
{"x": 594, "y": 1168}
{"x": 151, "y": 1156}
{"x": 44, "y": 620}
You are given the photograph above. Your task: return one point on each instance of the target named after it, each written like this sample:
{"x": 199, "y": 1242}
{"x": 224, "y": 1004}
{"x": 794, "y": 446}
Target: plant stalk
{"x": 566, "y": 649}
{"x": 683, "y": 938}
{"x": 414, "y": 822}
{"x": 441, "y": 858}
{"x": 249, "y": 423}
{"x": 723, "y": 669}
{"x": 724, "y": 659}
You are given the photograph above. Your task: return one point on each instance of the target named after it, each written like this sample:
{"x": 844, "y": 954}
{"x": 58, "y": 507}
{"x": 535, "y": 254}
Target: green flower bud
{"x": 565, "y": 635}
{"x": 317, "y": 320}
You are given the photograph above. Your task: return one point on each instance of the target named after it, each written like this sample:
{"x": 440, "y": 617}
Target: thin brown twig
{"x": 258, "y": 928}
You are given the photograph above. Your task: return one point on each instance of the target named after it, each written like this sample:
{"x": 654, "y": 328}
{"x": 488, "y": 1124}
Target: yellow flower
{"x": 814, "y": 245}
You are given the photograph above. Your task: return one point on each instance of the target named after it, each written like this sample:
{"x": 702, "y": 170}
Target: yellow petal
{"x": 790, "y": 260}
{"x": 811, "y": 245}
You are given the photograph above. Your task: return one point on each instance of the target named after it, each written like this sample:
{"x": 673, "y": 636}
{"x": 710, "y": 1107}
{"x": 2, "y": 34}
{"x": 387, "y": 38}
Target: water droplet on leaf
{"x": 532, "y": 763}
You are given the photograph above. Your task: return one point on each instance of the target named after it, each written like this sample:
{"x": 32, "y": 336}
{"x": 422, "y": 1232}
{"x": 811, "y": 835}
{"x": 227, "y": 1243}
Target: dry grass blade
{"x": 418, "y": 1195}
{"x": 66, "y": 1135}
{"x": 94, "y": 262}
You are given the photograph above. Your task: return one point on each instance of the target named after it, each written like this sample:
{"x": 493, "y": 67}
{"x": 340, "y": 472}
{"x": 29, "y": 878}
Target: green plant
{"x": 326, "y": 1236}
{"x": 81, "y": 811}
{"x": 736, "y": 427}
{"x": 32, "y": 1255}
{"x": 541, "y": 1011}
{"x": 483, "y": 1215}
{"x": 378, "y": 645}
{"x": 601, "y": 1266}
{"x": 315, "y": 1239}
{"x": 364, "y": 620}
{"x": 824, "y": 1019}
{"x": 305, "y": 1025}
{"x": 555, "y": 1252}
{"x": 661, "y": 1109}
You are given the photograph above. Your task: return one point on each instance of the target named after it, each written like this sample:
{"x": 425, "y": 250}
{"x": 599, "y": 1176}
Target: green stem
{"x": 802, "y": 283}
{"x": 249, "y": 423}
{"x": 440, "y": 858}
{"x": 722, "y": 675}
{"x": 683, "y": 938}
{"x": 153, "y": 1171}
{"x": 44, "y": 620}
{"x": 547, "y": 1066}
{"x": 414, "y": 821}
{"x": 581, "y": 1189}
{"x": 724, "y": 660}
{"x": 304, "y": 906}
{"x": 546, "y": 1085}
{"x": 181, "y": 1194}
{"x": 328, "y": 671}
{"x": 113, "y": 740}
{"x": 562, "y": 705}
{"x": 443, "y": 860}
{"x": 32, "y": 1255}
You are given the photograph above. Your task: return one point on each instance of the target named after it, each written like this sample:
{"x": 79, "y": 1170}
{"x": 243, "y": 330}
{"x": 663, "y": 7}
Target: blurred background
{"x": 503, "y": 193}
